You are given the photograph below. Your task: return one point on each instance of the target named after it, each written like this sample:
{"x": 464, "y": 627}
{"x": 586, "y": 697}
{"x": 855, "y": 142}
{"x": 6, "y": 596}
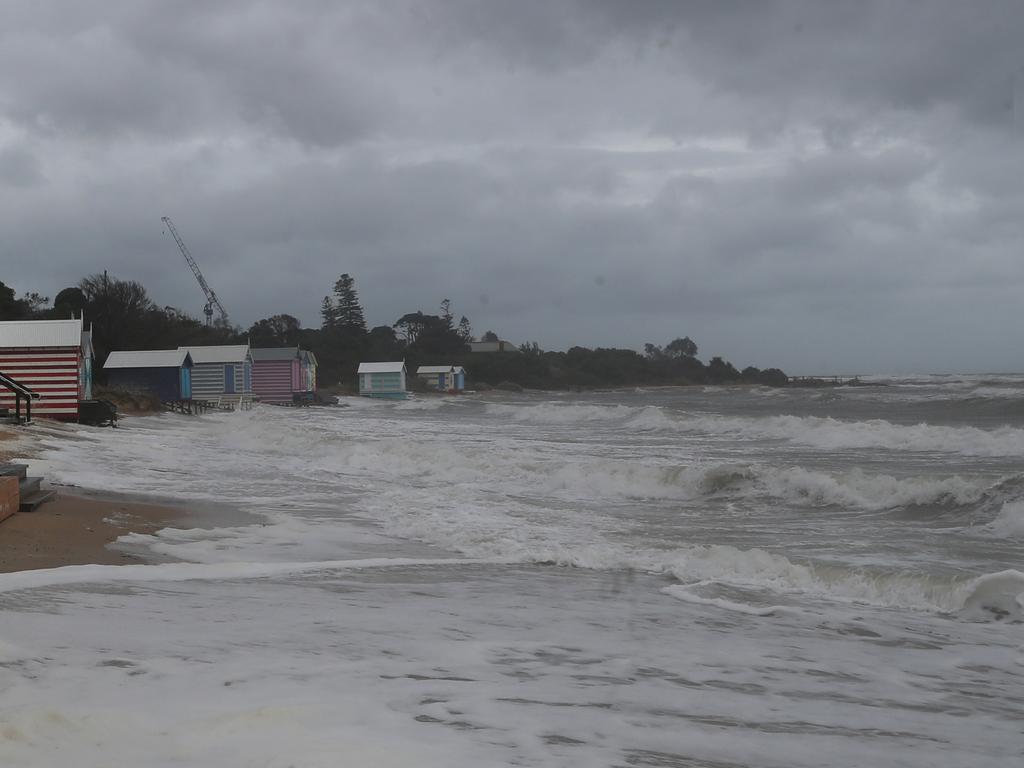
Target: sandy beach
{"x": 73, "y": 529}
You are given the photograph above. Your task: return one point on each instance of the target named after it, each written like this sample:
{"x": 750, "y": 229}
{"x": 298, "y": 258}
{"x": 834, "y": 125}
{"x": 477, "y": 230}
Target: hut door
{"x": 186, "y": 384}
{"x": 229, "y": 379}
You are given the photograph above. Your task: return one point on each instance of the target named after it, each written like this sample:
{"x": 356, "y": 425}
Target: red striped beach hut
{"x": 277, "y": 374}
{"x": 52, "y": 357}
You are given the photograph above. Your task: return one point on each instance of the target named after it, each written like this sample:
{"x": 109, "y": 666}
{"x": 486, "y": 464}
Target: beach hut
{"x": 167, "y": 373}
{"x": 443, "y": 378}
{"x": 382, "y": 379}
{"x": 51, "y": 357}
{"x": 277, "y": 374}
{"x": 220, "y": 371}
{"x": 309, "y": 365}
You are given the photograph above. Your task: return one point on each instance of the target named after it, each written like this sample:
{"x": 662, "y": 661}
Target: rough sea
{"x": 716, "y": 577}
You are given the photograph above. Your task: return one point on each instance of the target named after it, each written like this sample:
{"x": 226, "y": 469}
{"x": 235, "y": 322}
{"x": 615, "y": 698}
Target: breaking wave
{"x": 820, "y": 432}
{"x": 1010, "y": 520}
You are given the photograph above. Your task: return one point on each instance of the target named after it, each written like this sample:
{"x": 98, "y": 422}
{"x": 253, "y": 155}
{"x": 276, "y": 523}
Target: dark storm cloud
{"x": 804, "y": 184}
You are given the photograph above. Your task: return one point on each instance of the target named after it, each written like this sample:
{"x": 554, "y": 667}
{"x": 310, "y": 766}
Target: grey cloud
{"x": 785, "y": 182}
{"x": 18, "y": 167}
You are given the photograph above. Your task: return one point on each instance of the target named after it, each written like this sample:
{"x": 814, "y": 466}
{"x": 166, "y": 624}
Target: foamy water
{"x": 664, "y": 577}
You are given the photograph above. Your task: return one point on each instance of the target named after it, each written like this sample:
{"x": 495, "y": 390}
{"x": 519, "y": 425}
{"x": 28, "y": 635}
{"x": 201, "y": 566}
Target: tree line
{"x": 124, "y": 317}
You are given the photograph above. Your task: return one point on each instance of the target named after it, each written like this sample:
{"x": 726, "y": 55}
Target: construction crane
{"x": 211, "y": 297}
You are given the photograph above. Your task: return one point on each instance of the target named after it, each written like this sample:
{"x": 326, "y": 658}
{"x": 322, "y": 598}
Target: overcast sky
{"x": 819, "y": 186}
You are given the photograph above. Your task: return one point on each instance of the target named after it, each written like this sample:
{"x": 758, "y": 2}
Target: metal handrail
{"x": 18, "y": 387}
{"x": 20, "y": 391}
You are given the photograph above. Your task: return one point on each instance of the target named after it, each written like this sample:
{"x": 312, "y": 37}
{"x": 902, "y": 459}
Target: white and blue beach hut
{"x": 382, "y": 379}
{"x": 443, "y": 378}
{"x": 220, "y": 371}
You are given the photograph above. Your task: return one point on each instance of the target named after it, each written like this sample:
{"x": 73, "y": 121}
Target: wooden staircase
{"x": 29, "y": 488}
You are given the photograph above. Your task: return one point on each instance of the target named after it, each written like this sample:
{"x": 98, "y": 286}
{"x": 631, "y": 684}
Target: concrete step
{"x": 31, "y": 503}
{"x": 16, "y": 470}
{"x": 28, "y": 486}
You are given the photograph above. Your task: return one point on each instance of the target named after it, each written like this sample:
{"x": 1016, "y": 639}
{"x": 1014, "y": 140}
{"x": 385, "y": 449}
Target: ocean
{"x": 694, "y": 576}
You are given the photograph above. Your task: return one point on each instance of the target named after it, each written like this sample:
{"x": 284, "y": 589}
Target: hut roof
{"x": 148, "y": 358}
{"x": 308, "y": 354}
{"x": 435, "y": 369}
{"x": 275, "y": 353}
{"x": 41, "y": 333}
{"x": 230, "y": 353}
{"x": 382, "y": 367}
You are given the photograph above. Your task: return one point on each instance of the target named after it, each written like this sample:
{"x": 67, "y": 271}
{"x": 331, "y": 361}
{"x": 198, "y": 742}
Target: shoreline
{"x": 77, "y": 529}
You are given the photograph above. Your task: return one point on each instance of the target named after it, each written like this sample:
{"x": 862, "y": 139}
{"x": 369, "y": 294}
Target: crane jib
{"x": 211, "y": 297}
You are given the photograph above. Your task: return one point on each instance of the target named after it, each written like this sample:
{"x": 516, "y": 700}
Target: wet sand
{"x": 76, "y": 530}
{"x": 74, "y": 527}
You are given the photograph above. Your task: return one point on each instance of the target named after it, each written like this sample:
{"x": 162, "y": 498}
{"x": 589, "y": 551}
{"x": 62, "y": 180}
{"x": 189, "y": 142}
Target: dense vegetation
{"x": 124, "y": 317}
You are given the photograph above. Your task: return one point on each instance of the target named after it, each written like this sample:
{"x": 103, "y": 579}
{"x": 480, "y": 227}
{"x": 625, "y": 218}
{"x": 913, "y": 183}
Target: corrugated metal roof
{"x": 382, "y": 367}
{"x": 435, "y": 369}
{"x": 147, "y": 358}
{"x": 231, "y": 353}
{"x": 41, "y": 333}
{"x": 275, "y": 353}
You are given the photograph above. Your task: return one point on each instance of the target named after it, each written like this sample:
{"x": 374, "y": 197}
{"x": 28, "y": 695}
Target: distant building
{"x": 382, "y": 379}
{"x": 51, "y": 357}
{"x": 443, "y": 378}
{"x": 220, "y": 370}
{"x": 492, "y": 346}
{"x": 277, "y": 374}
{"x": 167, "y": 373}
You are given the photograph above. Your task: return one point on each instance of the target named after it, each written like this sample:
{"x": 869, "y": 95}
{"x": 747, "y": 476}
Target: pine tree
{"x": 465, "y": 331}
{"x": 348, "y": 313}
{"x": 446, "y": 312}
{"x": 328, "y": 313}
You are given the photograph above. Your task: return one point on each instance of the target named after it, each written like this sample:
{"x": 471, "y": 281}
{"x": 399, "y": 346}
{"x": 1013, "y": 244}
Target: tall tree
{"x": 465, "y": 330}
{"x": 411, "y": 325}
{"x": 10, "y": 307}
{"x": 349, "y": 314}
{"x": 120, "y": 310}
{"x": 684, "y": 347}
{"x": 70, "y": 301}
{"x": 328, "y": 313}
{"x": 446, "y": 312}
{"x": 278, "y": 331}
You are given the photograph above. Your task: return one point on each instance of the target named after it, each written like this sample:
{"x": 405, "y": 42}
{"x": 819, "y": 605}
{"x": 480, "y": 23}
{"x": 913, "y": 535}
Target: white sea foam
{"x": 1010, "y": 521}
{"x": 171, "y": 572}
{"x": 394, "y": 602}
{"x": 559, "y": 413}
{"x": 687, "y": 594}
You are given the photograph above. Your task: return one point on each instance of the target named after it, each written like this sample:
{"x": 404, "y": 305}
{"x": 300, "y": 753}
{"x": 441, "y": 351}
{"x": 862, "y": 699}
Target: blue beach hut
{"x": 167, "y": 373}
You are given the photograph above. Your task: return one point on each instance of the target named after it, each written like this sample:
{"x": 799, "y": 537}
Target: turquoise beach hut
{"x": 382, "y": 380}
